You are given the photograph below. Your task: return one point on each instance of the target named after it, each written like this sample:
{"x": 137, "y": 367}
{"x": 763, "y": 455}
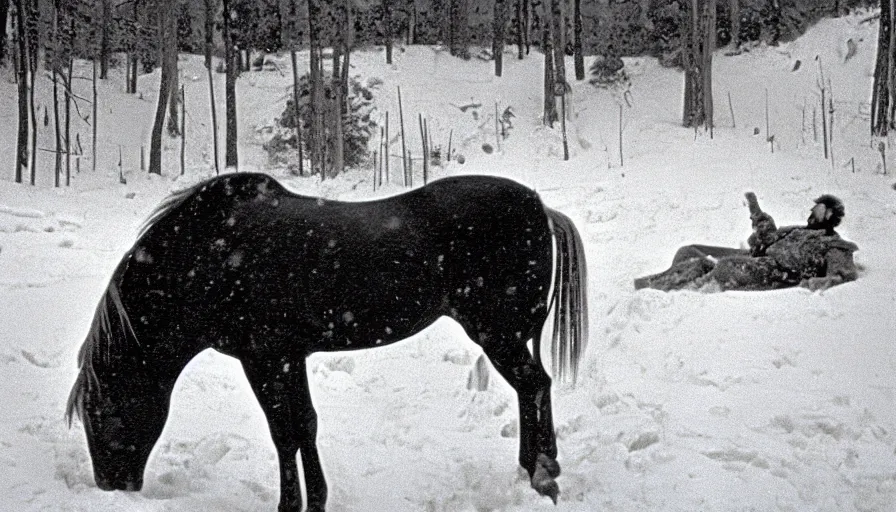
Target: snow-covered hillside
{"x": 737, "y": 401}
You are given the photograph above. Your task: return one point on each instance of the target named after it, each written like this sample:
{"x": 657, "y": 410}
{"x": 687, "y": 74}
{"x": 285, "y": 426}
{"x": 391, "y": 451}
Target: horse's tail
{"x": 569, "y": 298}
{"x": 111, "y": 332}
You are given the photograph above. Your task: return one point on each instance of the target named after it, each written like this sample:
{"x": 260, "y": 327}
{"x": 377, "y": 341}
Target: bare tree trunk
{"x": 891, "y": 67}
{"x": 527, "y": 25}
{"x": 387, "y": 28}
{"x": 349, "y": 41}
{"x": 131, "y": 72}
{"x": 57, "y": 130}
{"x": 54, "y": 63}
{"x": 452, "y": 25}
{"x": 209, "y": 45}
{"x": 880, "y": 96}
{"x": 338, "y": 133}
{"x": 295, "y": 99}
{"x": 183, "y": 130}
{"x": 699, "y": 43}
{"x": 209, "y": 31}
{"x": 518, "y": 19}
{"x": 32, "y": 66}
{"x": 4, "y": 17}
{"x": 690, "y": 59}
{"x": 127, "y": 71}
{"x": 170, "y": 59}
{"x": 709, "y": 46}
{"x": 105, "y": 21}
{"x": 559, "y": 44}
{"x": 459, "y": 22}
{"x": 22, "y": 79}
{"x": 550, "y": 104}
{"x": 336, "y": 87}
{"x": 317, "y": 106}
{"x": 340, "y": 82}
{"x": 68, "y": 112}
{"x": 231, "y": 158}
{"x": 554, "y": 18}
{"x": 734, "y": 6}
{"x": 93, "y": 119}
{"x": 412, "y": 22}
{"x": 35, "y": 37}
{"x": 499, "y": 24}
{"x": 155, "y": 147}
{"x": 214, "y": 108}
{"x": 579, "y": 56}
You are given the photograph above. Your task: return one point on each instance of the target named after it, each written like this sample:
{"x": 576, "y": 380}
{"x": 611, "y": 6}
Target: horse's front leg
{"x": 282, "y": 391}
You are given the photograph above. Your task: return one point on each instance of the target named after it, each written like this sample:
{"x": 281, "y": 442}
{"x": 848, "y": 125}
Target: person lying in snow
{"x": 813, "y": 256}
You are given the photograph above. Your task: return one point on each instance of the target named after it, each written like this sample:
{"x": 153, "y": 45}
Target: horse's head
{"x": 123, "y": 417}
{"x": 121, "y": 401}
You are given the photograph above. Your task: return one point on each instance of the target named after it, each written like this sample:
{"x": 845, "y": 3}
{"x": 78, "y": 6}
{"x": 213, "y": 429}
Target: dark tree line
{"x": 50, "y": 34}
{"x": 45, "y": 35}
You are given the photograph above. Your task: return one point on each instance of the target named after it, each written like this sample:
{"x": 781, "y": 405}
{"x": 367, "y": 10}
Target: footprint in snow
{"x": 24, "y": 220}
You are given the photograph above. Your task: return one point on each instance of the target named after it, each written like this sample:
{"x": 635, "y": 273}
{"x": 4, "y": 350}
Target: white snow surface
{"x": 737, "y": 401}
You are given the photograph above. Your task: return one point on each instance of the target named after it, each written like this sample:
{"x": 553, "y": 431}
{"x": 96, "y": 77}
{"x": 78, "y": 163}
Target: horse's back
{"x": 246, "y": 257}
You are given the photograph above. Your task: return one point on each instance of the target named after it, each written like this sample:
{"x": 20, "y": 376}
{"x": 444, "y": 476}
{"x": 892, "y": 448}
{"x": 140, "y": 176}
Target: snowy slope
{"x": 781, "y": 400}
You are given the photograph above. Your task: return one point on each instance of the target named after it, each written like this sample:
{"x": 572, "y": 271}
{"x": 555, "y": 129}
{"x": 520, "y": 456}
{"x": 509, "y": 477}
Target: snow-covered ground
{"x": 738, "y": 401}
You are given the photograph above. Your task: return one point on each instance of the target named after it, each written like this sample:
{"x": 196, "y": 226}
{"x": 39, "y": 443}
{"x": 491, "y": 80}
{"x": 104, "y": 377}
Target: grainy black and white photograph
{"x": 448, "y": 255}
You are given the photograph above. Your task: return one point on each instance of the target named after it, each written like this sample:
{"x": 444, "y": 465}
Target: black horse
{"x": 240, "y": 264}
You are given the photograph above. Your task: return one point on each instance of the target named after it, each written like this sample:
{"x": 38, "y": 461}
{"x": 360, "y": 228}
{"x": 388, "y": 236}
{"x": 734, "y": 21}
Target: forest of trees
{"x": 46, "y": 36}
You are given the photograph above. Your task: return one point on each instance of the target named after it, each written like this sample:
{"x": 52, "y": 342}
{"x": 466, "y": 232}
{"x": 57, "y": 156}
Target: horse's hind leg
{"x": 282, "y": 391}
{"x": 538, "y": 445}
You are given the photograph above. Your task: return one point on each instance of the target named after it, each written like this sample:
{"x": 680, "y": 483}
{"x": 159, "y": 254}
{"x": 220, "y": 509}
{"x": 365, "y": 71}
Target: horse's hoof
{"x": 550, "y": 465}
{"x": 544, "y": 483}
{"x": 292, "y": 506}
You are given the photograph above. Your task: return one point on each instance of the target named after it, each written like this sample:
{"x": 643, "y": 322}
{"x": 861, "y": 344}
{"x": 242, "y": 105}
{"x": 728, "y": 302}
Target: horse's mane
{"x": 168, "y": 205}
{"x": 98, "y": 346}
{"x": 102, "y": 338}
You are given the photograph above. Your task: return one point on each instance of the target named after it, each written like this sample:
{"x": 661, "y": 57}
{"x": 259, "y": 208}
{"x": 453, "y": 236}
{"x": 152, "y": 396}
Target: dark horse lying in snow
{"x": 242, "y": 265}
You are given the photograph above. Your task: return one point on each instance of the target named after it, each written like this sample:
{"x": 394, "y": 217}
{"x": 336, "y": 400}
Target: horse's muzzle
{"x": 109, "y": 485}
